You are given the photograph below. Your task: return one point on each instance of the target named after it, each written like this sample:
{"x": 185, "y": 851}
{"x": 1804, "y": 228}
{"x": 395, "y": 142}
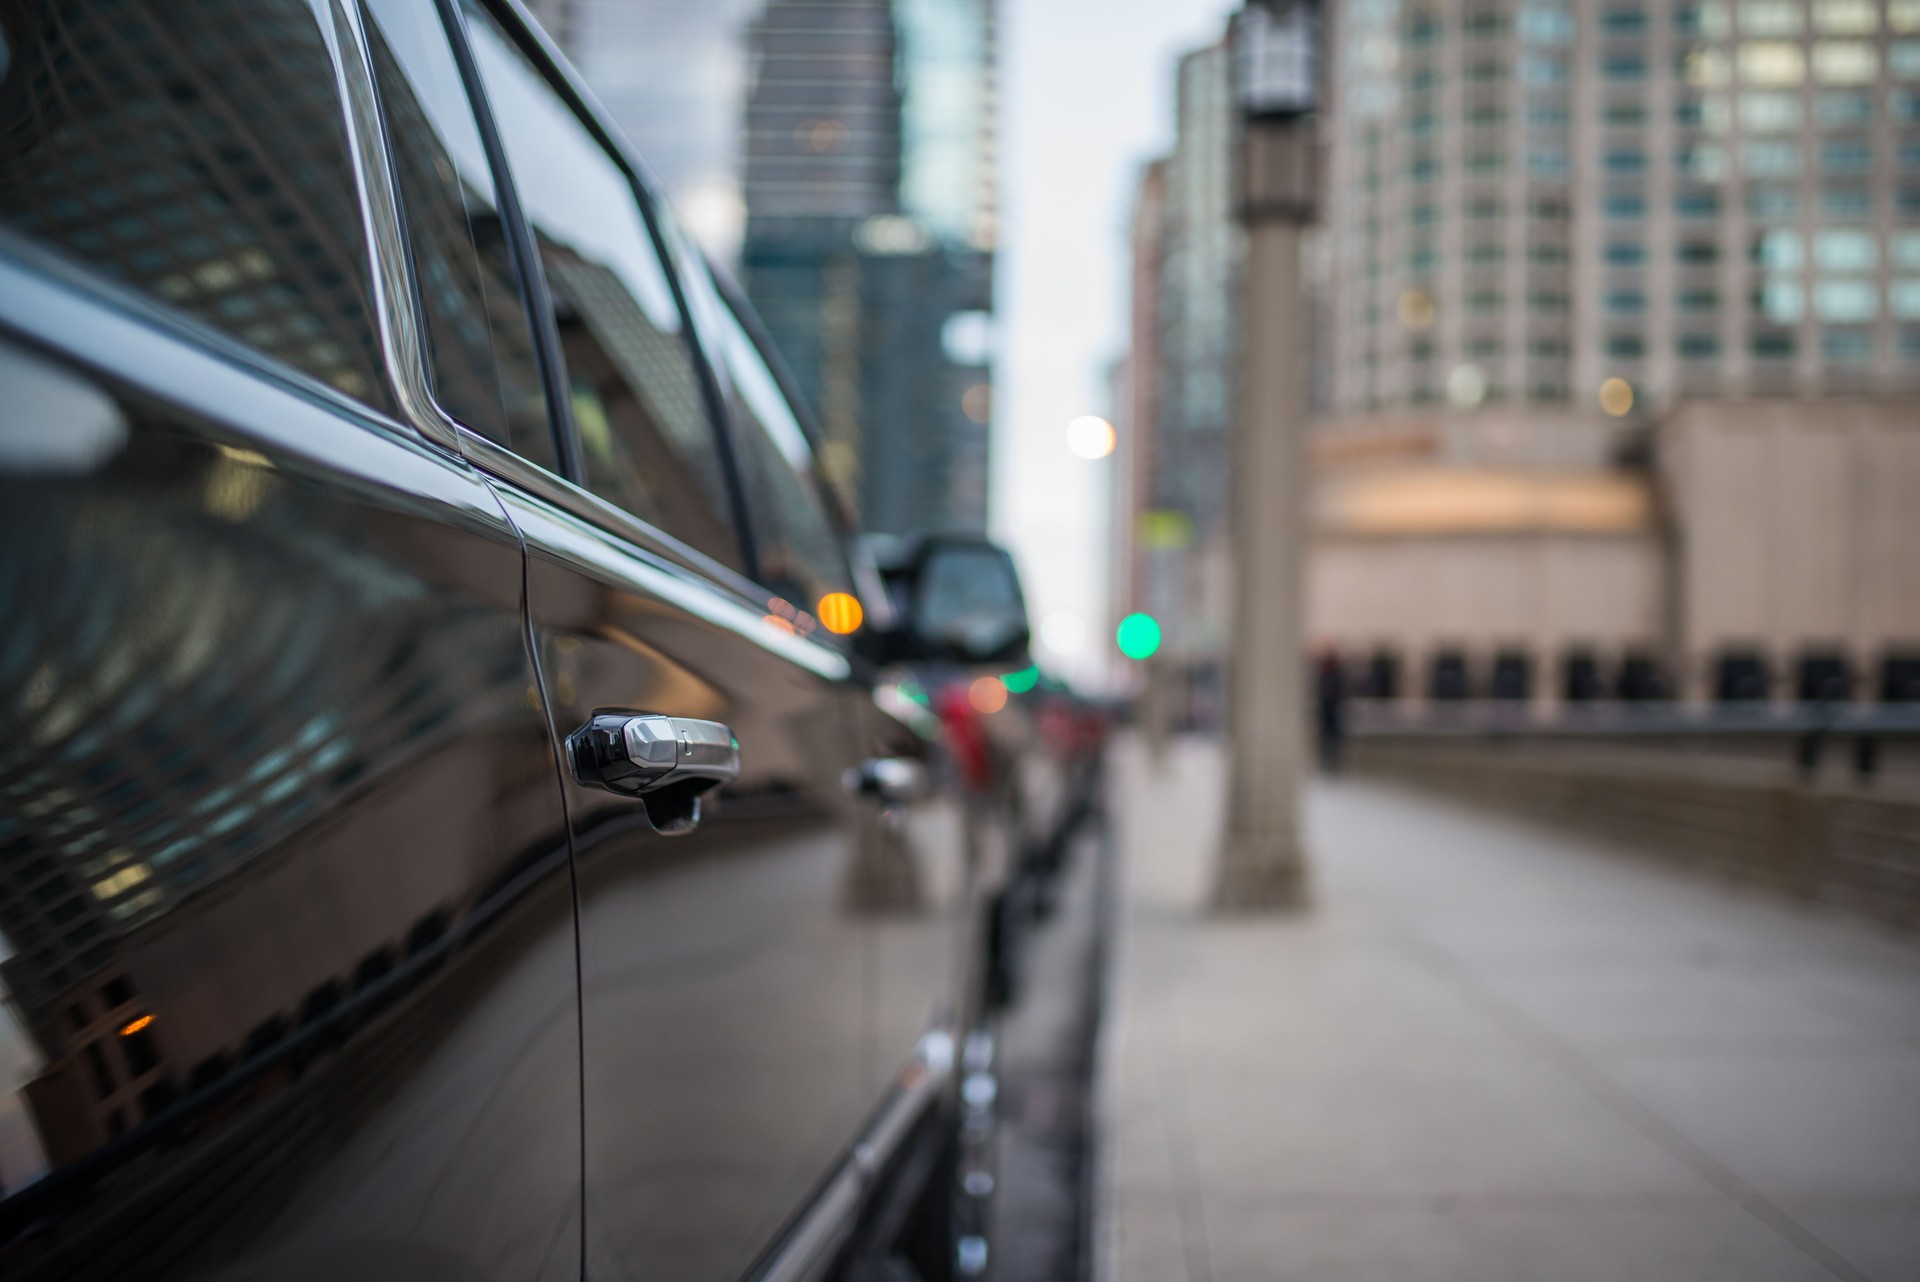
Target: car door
{"x": 286, "y": 923}
{"x": 725, "y": 981}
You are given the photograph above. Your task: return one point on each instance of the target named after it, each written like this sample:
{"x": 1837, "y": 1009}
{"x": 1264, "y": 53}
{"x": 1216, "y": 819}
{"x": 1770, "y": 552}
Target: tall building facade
{"x": 1533, "y": 197}
{"x": 871, "y": 221}
{"x": 1178, "y": 408}
{"x": 1616, "y": 344}
{"x": 1570, "y": 241}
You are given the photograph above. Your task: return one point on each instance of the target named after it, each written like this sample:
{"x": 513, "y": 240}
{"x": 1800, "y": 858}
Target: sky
{"x": 1087, "y": 100}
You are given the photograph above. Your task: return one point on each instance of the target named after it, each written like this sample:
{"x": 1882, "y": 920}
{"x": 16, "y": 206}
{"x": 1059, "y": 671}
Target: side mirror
{"x": 958, "y": 600}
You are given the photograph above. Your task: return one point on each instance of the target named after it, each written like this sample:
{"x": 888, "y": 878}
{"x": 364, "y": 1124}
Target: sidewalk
{"x": 1491, "y": 1053}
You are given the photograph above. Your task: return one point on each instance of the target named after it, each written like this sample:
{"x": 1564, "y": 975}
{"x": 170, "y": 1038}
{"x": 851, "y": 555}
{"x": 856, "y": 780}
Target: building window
{"x": 1512, "y": 676}
{"x": 1782, "y": 301}
{"x": 1624, "y": 21}
{"x": 1705, "y": 68}
{"x": 1625, "y": 115}
{"x": 1626, "y": 346}
{"x": 1547, "y": 255}
{"x": 1846, "y": 156}
{"x": 1697, "y": 252}
{"x": 1487, "y": 254}
{"x": 1778, "y": 249}
{"x": 1704, "y": 162}
{"x": 1767, "y": 112}
{"x": 1844, "y": 107}
{"x": 1547, "y": 300}
{"x": 1697, "y": 300}
{"x": 1485, "y": 24}
{"x": 1626, "y": 253}
{"x": 1847, "y": 203}
{"x": 1778, "y": 63}
{"x": 1844, "y": 62}
{"x": 1771, "y": 345}
{"x": 1844, "y": 250}
{"x": 1625, "y": 204}
{"x": 1846, "y": 300}
{"x": 1626, "y": 161}
{"x": 1771, "y": 159}
{"x": 1447, "y": 677}
{"x": 1623, "y": 66}
{"x": 1905, "y": 248}
{"x": 1540, "y": 24}
{"x": 1547, "y": 162}
{"x": 1772, "y": 202}
{"x": 1770, "y": 17}
{"x": 1626, "y": 301}
{"x": 1845, "y": 17}
{"x": 1903, "y": 60}
{"x": 1696, "y": 204}
{"x": 1485, "y": 300}
{"x": 1695, "y": 347}
{"x": 1847, "y": 346}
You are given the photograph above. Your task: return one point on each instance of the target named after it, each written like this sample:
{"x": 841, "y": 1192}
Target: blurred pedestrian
{"x": 1330, "y": 691}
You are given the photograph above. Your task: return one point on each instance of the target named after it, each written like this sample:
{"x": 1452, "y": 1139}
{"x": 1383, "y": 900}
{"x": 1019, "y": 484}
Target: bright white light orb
{"x": 1091, "y": 437}
{"x": 1063, "y": 632}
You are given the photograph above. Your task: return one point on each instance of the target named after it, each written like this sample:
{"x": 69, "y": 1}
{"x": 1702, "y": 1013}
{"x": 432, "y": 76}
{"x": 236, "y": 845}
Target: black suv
{"x": 456, "y": 817}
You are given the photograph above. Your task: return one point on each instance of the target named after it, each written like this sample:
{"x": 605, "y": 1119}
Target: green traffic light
{"x": 1022, "y": 681}
{"x": 1138, "y": 636}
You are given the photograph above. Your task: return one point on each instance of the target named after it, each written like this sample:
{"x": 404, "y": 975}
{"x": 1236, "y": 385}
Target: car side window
{"x": 646, "y": 437}
{"x": 800, "y": 552}
{"x": 479, "y": 339}
{"x": 197, "y": 152}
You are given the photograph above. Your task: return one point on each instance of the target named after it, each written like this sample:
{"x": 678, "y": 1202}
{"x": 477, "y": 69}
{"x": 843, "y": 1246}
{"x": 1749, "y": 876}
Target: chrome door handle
{"x": 667, "y": 762}
{"x": 892, "y": 781}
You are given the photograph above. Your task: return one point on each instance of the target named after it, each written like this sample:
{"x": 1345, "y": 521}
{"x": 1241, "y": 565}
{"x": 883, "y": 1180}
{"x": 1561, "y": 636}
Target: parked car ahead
{"x": 452, "y": 824}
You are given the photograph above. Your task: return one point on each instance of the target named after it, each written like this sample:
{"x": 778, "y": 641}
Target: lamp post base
{"x": 1261, "y": 874}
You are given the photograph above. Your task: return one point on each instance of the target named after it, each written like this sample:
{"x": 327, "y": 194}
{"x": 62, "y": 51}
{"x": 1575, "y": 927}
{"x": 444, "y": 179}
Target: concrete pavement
{"x": 1494, "y": 1052}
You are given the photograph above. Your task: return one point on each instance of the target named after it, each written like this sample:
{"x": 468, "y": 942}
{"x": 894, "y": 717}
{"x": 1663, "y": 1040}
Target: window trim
{"x": 552, "y": 66}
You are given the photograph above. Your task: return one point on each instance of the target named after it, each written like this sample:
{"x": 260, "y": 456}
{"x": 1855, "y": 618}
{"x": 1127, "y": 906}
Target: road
{"x": 1493, "y": 1051}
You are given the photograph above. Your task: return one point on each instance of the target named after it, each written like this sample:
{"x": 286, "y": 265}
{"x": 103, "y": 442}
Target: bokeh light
{"x": 1063, "y": 632}
{"x": 1138, "y": 636}
{"x": 1091, "y": 437}
{"x": 1022, "y": 681}
{"x": 987, "y": 695}
{"x": 1616, "y": 396}
{"x": 840, "y": 613}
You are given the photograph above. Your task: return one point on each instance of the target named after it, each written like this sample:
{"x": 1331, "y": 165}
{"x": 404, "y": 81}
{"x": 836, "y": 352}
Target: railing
{"x": 1802, "y": 730}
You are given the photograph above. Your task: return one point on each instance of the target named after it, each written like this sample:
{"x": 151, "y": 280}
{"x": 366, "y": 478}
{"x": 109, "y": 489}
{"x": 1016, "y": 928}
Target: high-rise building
{"x": 1532, "y": 198}
{"x": 1616, "y": 350}
{"x": 1572, "y": 243}
{"x": 1178, "y": 414}
{"x": 870, "y": 229}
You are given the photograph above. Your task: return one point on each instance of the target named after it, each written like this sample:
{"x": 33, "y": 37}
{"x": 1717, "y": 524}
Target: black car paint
{"x": 281, "y": 685}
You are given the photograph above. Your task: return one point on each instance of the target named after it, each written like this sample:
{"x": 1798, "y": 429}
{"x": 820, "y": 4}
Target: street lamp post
{"x": 1275, "y": 74}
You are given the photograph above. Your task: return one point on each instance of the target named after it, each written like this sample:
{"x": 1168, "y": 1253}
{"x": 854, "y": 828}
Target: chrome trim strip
{"x": 396, "y": 318}
{"x": 810, "y": 1245}
{"x": 500, "y": 462}
{"x": 553, "y": 531}
{"x": 248, "y": 399}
